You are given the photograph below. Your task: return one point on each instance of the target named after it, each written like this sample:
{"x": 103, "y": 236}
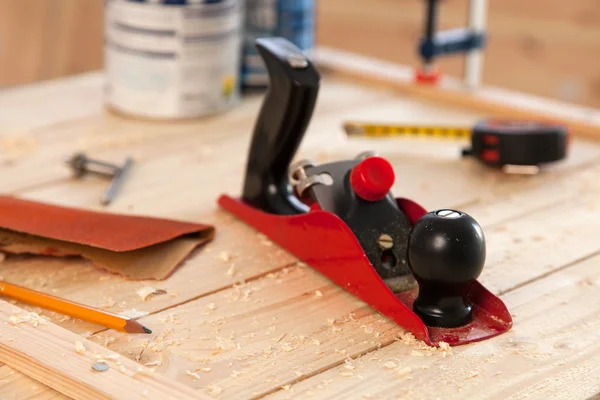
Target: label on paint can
{"x": 172, "y": 59}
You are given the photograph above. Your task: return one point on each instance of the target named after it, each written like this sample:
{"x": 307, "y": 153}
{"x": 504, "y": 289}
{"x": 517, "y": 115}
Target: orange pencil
{"x": 75, "y": 310}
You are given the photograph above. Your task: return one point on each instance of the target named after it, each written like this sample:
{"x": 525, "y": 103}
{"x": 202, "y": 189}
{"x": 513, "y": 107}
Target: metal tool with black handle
{"x": 341, "y": 219}
{"x": 282, "y": 121}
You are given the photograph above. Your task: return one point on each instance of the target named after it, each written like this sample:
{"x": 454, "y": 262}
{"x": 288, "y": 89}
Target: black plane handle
{"x": 285, "y": 114}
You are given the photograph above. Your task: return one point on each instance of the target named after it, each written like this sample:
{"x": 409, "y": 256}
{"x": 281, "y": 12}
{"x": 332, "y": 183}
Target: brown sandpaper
{"x": 137, "y": 248}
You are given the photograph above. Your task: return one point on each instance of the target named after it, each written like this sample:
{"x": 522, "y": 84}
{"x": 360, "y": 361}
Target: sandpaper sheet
{"x": 137, "y": 248}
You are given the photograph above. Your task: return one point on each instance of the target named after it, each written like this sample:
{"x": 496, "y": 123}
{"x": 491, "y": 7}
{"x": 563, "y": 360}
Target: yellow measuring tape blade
{"x": 381, "y": 130}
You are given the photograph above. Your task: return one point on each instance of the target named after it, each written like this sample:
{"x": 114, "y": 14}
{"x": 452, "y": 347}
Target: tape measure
{"x": 378, "y": 130}
{"x": 493, "y": 142}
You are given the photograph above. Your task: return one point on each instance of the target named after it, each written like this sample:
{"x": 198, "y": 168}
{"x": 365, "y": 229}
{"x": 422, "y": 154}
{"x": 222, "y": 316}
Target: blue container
{"x": 290, "y": 19}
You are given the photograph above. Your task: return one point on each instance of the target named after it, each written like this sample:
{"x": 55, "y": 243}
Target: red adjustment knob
{"x": 372, "y": 178}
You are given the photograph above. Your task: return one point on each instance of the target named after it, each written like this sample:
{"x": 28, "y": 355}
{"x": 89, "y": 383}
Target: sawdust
{"x": 147, "y": 292}
{"x": 390, "y": 365}
{"x": 225, "y": 256}
{"x": 318, "y": 293}
{"x": 79, "y": 348}
{"x": 133, "y": 313}
{"x": 108, "y": 303}
{"x": 155, "y": 363}
{"x": 403, "y": 371}
{"x": 231, "y": 270}
{"x": 193, "y": 374}
{"x": 214, "y": 390}
{"x": 29, "y": 317}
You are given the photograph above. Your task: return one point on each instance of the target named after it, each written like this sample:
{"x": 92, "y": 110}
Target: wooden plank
{"x": 14, "y": 385}
{"x": 48, "y": 354}
{"x": 253, "y": 359}
{"x": 493, "y": 102}
{"x": 553, "y": 351}
{"x": 51, "y": 102}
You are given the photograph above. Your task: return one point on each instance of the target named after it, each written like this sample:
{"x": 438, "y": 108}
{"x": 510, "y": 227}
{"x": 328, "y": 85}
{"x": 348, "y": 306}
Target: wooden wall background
{"x": 544, "y": 47}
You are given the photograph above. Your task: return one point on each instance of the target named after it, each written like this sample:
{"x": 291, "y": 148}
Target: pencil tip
{"x": 147, "y": 330}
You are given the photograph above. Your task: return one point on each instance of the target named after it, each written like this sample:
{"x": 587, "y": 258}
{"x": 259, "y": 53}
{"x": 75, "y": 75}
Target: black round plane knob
{"x": 446, "y": 252}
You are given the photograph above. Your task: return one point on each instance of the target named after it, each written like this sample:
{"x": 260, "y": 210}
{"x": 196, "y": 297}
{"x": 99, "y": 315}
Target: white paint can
{"x": 172, "y": 59}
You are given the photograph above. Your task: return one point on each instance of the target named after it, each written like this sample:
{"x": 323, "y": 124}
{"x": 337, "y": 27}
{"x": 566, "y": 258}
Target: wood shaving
{"x": 316, "y": 342}
{"x": 34, "y": 319}
{"x": 347, "y": 374}
{"x": 390, "y": 365}
{"x": 192, "y": 374}
{"x": 231, "y": 270}
{"x": 211, "y": 306}
{"x": 349, "y": 366}
{"x": 286, "y": 347}
{"x": 79, "y": 348}
{"x": 318, "y": 293}
{"x": 445, "y": 346}
{"x": 205, "y": 369}
{"x": 108, "y": 303}
{"x": 286, "y": 387}
{"x": 155, "y": 363}
{"x": 215, "y": 390}
{"x": 235, "y": 374}
{"x": 146, "y": 292}
{"x": 416, "y": 353}
{"x": 404, "y": 371}
{"x": 225, "y": 256}
{"x": 133, "y": 313}
{"x": 367, "y": 329}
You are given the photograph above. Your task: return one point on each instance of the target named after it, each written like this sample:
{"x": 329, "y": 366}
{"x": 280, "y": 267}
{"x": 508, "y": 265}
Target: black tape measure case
{"x": 499, "y": 143}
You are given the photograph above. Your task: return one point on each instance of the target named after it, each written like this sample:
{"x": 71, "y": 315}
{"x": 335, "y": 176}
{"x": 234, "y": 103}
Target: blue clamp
{"x": 450, "y": 42}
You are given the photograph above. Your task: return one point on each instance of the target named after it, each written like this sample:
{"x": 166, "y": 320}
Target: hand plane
{"x": 417, "y": 268}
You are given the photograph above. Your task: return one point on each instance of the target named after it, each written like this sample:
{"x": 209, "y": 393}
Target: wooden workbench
{"x": 241, "y": 318}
